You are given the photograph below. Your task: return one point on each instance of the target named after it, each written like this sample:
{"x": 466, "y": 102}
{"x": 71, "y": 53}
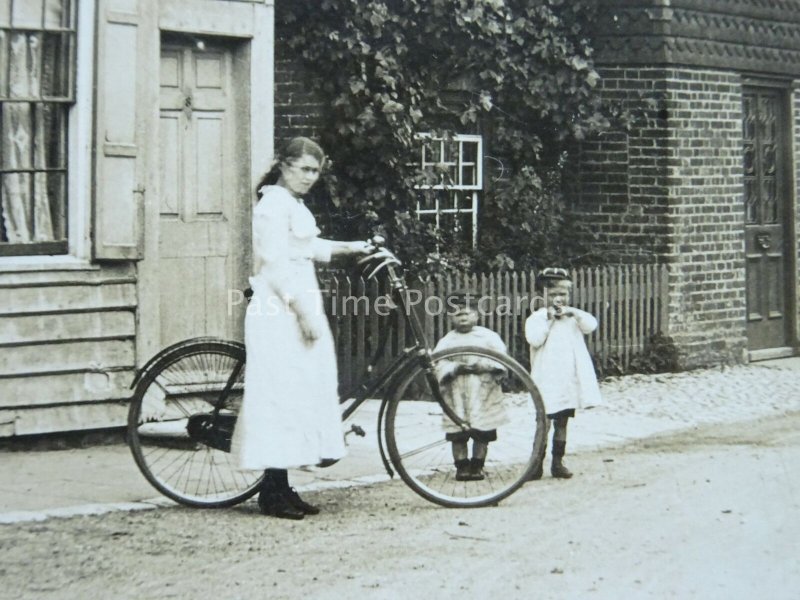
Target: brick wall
{"x": 298, "y": 109}
{"x": 706, "y": 215}
{"x": 671, "y": 189}
{"x": 620, "y": 191}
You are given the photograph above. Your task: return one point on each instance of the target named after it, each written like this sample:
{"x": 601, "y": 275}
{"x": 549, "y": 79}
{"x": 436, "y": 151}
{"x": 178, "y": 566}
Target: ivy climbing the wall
{"x": 517, "y": 72}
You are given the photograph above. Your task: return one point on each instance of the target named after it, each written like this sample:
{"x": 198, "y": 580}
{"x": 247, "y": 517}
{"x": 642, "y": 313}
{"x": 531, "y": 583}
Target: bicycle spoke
{"x": 184, "y": 462}
{"x": 421, "y": 449}
{"x": 506, "y": 412}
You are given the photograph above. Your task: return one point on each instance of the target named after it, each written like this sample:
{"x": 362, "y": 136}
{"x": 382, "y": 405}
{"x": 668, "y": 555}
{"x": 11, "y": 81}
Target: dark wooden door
{"x": 768, "y": 202}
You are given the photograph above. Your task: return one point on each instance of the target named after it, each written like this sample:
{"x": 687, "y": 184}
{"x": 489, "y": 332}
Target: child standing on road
{"x": 560, "y": 363}
{"x": 471, "y": 387}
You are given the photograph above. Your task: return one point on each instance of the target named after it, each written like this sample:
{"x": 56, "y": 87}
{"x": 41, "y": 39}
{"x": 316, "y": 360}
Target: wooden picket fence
{"x": 629, "y": 301}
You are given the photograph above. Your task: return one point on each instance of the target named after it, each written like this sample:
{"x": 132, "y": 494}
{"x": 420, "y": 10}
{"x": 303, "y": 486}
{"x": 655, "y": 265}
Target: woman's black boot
{"x": 295, "y": 500}
{"x": 273, "y": 499}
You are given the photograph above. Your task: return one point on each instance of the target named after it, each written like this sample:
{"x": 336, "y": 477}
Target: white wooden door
{"x": 203, "y": 237}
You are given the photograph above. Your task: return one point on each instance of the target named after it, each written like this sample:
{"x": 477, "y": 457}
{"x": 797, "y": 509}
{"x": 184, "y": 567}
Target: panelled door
{"x": 767, "y": 204}
{"x": 203, "y": 236}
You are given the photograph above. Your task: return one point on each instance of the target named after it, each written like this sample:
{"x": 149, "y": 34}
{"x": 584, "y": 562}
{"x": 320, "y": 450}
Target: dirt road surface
{"x": 709, "y": 513}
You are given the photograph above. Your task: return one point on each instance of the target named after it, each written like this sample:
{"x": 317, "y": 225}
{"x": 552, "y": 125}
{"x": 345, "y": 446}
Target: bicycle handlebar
{"x": 386, "y": 260}
{"x": 386, "y": 257}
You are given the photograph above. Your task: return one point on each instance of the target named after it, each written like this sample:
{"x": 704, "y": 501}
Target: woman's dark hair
{"x": 294, "y": 149}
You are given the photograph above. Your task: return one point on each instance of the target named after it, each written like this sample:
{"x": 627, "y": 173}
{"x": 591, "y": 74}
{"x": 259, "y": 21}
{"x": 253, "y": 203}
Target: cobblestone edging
{"x": 707, "y": 396}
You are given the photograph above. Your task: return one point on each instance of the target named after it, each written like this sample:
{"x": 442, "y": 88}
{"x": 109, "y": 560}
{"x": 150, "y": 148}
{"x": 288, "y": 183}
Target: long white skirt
{"x": 290, "y": 416}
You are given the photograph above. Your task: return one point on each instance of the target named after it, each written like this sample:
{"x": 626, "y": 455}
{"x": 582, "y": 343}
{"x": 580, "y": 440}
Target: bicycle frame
{"x": 419, "y": 352}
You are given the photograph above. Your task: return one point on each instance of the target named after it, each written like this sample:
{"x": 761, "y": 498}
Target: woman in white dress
{"x": 290, "y": 415}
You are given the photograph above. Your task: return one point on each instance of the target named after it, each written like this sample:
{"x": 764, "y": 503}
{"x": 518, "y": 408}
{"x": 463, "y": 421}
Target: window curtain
{"x": 35, "y": 94}
{"x": 26, "y": 207}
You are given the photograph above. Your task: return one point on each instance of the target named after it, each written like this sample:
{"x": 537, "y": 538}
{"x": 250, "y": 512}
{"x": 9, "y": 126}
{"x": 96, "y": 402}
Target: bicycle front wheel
{"x": 181, "y": 419}
{"x": 500, "y": 427}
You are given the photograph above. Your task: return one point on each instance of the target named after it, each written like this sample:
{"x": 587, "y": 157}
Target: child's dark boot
{"x": 463, "y": 470}
{"x": 538, "y": 470}
{"x": 557, "y": 468}
{"x": 476, "y": 469}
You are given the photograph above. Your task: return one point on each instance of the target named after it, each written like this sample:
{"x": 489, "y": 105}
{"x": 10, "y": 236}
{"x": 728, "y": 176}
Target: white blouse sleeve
{"x": 537, "y": 328}
{"x": 271, "y": 222}
{"x": 322, "y": 250}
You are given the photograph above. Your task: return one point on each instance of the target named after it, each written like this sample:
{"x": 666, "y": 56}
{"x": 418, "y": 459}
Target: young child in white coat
{"x": 471, "y": 387}
{"x": 560, "y": 363}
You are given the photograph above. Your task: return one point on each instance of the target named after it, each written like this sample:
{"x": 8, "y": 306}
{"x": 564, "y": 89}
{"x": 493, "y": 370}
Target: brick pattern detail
{"x": 796, "y": 191}
{"x": 706, "y": 213}
{"x": 744, "y": 35}
{"x": 620, "y": 190}
{"x": 672, "y": 190}
{"x": 298, "y": 107}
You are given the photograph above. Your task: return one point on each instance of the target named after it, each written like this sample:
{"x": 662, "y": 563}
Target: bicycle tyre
{"x": 415, "y": 427}
{"x": 183, "y": 381}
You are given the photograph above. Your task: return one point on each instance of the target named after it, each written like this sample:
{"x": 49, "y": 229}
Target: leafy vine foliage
{"x": 519, "y": 72}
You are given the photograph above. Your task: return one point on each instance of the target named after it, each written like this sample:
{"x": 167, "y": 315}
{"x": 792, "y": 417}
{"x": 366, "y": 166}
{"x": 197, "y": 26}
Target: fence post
{"x": 513, "y": 317}
{"x": 637, "y": 307}
{"x": 626, "y": 318}
{"x": 346, "y": 356}
{"x": 589, "y": 307}
{"x": 430, "y": 324}
{"x": 663, "y": 293}
{"x": 649, "y": 305}
{"x": 361, "y": 330}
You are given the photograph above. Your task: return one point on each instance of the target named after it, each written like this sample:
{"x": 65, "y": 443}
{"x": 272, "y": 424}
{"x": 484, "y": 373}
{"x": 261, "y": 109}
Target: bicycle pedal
{"x": 357, "y": 430}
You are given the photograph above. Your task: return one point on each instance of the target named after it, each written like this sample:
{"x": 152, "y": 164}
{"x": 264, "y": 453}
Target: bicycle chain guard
{"x": 214, "y": 431}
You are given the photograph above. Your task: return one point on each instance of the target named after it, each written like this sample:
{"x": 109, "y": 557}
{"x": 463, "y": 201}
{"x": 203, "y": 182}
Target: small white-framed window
{"x": 38, "y": 56}
{"x": 453, "y": 166}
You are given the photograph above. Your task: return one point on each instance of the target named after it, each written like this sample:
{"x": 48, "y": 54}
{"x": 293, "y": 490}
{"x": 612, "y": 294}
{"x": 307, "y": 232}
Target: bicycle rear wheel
{"x": 504, "y": 405}
{"x": 180, "y": 422}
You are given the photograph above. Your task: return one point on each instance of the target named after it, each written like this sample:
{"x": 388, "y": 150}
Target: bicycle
{"x": 187, "y": 397}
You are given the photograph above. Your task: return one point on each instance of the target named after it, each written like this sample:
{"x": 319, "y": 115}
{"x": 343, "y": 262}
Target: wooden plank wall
{"x": 67, "y": 341}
